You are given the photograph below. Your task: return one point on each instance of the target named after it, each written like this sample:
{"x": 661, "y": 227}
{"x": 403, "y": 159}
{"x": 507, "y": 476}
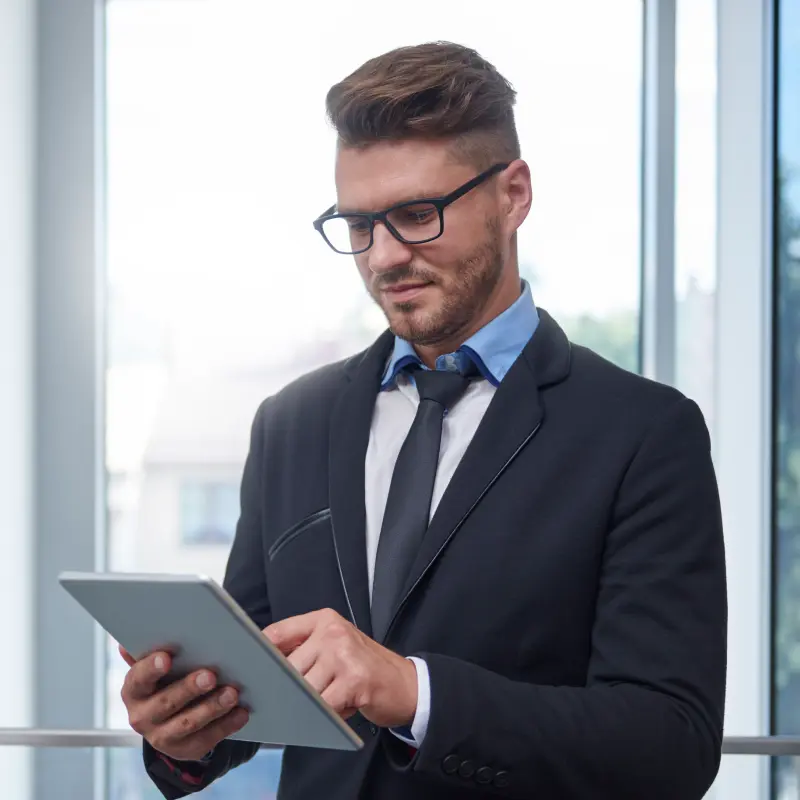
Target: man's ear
{"x": 517, "y": 194}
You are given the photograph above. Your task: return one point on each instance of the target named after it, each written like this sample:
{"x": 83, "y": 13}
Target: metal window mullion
{"x": 67, "y": 403}
{"x": 743, "y": 365}
{"x": 658, "y": 192}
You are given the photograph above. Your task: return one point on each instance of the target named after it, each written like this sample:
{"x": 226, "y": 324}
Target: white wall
{"x": 16, "y": 398}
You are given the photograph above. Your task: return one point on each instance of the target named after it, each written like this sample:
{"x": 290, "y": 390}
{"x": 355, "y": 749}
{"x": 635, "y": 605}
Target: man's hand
{"x": 351, "y": 671}
{"x": 184, "y": 720}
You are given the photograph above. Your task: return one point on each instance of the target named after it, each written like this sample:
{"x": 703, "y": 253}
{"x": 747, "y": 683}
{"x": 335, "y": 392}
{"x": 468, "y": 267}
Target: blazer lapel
{"x": 349, "y": 436}
{"x": 510, "y": 423}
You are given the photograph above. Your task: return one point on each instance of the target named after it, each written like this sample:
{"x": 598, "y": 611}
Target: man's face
{"x": 435, "y": 291}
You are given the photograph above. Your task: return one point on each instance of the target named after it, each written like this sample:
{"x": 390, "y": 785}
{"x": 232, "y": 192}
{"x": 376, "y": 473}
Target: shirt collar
{"x": 494, "y": 348}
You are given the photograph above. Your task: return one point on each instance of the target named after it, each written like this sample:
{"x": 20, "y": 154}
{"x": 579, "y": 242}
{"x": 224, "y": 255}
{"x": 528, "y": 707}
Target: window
{"x": 786, "y": 660}
{"x": 695, "y": 201}
{"x": 217, "y": 298}
{"x": 208, "y": 512}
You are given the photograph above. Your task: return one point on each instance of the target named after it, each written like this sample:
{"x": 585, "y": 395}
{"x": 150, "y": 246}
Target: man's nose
{"x": 387, "y": 252}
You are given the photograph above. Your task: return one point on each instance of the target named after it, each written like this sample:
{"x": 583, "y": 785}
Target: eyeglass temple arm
{"x": 326, "y": 213}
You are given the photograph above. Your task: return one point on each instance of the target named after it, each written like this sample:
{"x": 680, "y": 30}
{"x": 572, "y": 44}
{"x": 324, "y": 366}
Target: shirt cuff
{"x": 419, "y": 726}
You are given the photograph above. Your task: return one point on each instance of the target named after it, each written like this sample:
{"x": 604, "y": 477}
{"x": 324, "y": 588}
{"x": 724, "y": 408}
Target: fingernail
{"x": 204, "y": 680}
{"x": 228, "y": 697}
{"x": 160, "y": 663}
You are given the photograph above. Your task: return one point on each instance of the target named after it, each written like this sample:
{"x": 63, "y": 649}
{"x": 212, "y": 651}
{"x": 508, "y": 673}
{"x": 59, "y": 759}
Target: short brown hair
{"x": 437, "y": 90}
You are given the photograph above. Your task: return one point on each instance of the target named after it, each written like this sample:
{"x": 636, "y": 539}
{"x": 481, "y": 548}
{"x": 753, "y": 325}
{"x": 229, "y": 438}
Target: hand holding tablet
{"x": 200, "y": 632}
{"x": 186, "y": 719}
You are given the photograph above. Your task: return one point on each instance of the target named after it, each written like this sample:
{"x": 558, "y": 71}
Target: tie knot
{"x": 441, "y": 386}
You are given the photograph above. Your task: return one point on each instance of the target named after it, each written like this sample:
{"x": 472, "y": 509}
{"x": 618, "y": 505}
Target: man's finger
{"x": 224, "y": 727}
{"x": 129, "y": 659}
{"x": 143, "y": 676}
{"x": 339, "y": 698}
{"x": 192, "y": 720}
{"x": 209, "y": 737}
{"x": 320, "y": 676}
{"x": 174, "y": 698}
{"x": 306, "y": 655}
{"x": 288, "y": 634}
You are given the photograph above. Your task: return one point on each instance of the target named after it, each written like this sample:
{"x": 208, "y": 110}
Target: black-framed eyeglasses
{"x": 412, "y": 222}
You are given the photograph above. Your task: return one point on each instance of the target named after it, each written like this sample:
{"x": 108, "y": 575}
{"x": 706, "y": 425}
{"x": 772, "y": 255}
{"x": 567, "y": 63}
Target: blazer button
{"x": 484, "y": 775}
{"x": 373, "y": 729}
{"x": 502, "y": 780}
{"x": 451, "y": 764}
{"x": 466, "y": 770}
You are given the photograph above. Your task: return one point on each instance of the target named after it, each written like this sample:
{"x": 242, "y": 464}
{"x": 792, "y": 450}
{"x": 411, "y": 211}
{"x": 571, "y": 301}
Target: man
{"x": 494, "y": 553}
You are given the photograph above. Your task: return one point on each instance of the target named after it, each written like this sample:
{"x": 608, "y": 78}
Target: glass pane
{"x": 126, "y": 778}
{"x": 255, "y": 780}
{"x": 209, "y": 511}
{"x": 786, "y": 777}
{"x": 695, "y": 201}
{"x": 742, "y": 777}
{"x": 787, "y": 400}
{"x": 218, "y": 295}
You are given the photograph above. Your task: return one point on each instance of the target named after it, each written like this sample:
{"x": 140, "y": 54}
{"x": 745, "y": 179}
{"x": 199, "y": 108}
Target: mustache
{"x": 404, "y": 274}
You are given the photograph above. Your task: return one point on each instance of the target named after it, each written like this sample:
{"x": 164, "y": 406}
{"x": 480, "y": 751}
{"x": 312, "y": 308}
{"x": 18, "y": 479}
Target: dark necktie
{"x": 408, "y": 504}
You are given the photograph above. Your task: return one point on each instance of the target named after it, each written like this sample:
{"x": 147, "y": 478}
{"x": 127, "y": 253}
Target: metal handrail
{"x": 42, "y": 737}
{"x": 106, "y": 737}
{"x": 64, "y": 737}
{"x": 761, "y": 745}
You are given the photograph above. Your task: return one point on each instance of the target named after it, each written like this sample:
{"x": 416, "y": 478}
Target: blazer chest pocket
{"x": 288, "y": 536}
{"x": 302, "y": 570}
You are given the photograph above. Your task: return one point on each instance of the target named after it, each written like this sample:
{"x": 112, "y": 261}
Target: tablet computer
{"x": 197, "y": 621}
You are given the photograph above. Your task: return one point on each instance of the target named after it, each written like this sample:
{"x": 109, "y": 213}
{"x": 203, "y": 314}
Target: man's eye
{"x": 358, "y": 225}
{"x": 417, "y": 214}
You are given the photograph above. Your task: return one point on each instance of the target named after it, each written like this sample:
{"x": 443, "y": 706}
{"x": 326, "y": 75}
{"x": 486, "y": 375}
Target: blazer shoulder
{"x": 618, "y": 391}
{"x": 622, "y": 410}
{"x": 308, "y": 394}
{"x": 321, "y": 384}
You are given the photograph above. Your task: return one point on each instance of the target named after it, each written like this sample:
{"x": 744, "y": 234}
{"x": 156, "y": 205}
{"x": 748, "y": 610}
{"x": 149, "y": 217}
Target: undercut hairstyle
{"x": 436, "y": 91}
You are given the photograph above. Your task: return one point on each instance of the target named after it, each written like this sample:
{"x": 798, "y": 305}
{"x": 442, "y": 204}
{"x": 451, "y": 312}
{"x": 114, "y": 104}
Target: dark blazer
{"x": 569, "y": 597}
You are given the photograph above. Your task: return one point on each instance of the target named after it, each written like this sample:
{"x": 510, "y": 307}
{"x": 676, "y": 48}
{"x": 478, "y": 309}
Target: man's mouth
{"x": 405, "y": 291}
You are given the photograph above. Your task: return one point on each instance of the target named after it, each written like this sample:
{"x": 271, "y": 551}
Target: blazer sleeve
{"x": 245, "y": 580}
{"x": 648, "y": 722}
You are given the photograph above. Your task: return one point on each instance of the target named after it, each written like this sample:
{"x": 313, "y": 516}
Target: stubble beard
{"x": 474, "y": 280}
